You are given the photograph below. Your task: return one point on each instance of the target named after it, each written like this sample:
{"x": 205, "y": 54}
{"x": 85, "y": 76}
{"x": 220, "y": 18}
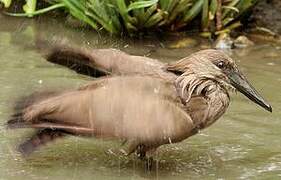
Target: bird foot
{"x": 149, "y": 163}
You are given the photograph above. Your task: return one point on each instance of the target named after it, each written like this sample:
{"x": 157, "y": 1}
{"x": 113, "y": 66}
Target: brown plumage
{"x": 154, "y": 105}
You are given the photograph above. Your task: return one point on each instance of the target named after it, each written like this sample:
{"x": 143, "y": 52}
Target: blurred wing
{"x": 143, "y": 109}
{"x": 101, "y": 62}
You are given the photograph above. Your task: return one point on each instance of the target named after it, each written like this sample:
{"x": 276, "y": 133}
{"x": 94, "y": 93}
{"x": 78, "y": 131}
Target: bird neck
{"x": 191, "y": 84}
{"x": 214, "y": 95}
{"x": 218, "y": 101}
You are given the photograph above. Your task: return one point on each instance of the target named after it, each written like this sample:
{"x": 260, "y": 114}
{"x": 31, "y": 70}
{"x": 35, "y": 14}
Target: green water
{"x": 244, "y": 144}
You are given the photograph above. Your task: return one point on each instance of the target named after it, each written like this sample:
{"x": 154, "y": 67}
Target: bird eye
{"x": 221, "y": 64}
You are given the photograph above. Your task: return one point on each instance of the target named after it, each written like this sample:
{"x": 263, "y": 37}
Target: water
{"x": 243, "y": 144}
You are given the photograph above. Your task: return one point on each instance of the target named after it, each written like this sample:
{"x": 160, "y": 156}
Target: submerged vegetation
{"x": 117, "y": 16}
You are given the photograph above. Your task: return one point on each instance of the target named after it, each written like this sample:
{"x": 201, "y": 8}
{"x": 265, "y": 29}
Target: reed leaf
{"x": 6, "y": 3}
{"x": 182, "y": 6}
{"x": 29, "y": 7}
{"x": 141, "y": 4}
{"x": 227, "y": 10}
{"x": 194, "y": 11}
{"x": 244, "y": 5}
{"x": 79, "y": 11}
{"x": 128, "y": 20}
{"x": 213, "y": 9}
{"x": 205, "y": 14}
{"x": 154, "y": 19}
{"x": 148, "y": 13}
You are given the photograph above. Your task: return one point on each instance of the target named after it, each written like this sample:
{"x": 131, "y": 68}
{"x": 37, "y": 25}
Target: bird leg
{"x": 150, "y": 162}
{"x": 146, "y": 154}
{"x": 140, "y": 151}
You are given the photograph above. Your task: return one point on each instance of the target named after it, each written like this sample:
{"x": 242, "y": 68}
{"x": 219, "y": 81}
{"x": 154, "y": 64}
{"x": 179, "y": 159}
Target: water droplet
{"x": 156, "y": 90}
{"x": 170, "y": 141}
{"x": 127, "y": 45}
{"x": 270, "y": 64}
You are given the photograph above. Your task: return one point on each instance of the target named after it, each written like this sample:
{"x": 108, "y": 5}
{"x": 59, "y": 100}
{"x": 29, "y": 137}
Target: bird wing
{"x": 101, "y": 62}
{"x": 140, "y": 108}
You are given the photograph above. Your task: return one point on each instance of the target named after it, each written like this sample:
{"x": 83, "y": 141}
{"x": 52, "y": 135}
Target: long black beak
{"x": 242, "y": 85}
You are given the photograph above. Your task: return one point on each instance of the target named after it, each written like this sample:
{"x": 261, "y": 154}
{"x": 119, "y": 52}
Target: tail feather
{"x": 40, "y": 138}
{"x": 17, "y": 120}
{"x": 45, "y": 132}
{"x": 33, "y": 98}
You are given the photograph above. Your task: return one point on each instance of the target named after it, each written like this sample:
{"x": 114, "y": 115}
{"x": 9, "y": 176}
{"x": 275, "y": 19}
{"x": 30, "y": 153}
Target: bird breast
{"x": 209, "y": 106}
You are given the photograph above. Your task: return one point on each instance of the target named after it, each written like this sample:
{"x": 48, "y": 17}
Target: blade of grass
{"x": 244, "y": 5}
{"x": 231, "y": 4}
{"x": 168, "y": 5}
{"x": 182, "y": 6}
{"x": 128, "y": 20}
{"x": 194, "y": 11}
{"x": 144, "y": 15}
{"x": 113, "y": 15}
{"x": 164, "y": 4}
{"x": 29, "y": 7}
{"x": 78, "y": 11}
{"x": 6, "y": 3}
{"x": 148, "y": 13}
{"x": 154, "y": 19}
{"x": 229, "y": 28}
{"x": 213, "y": 9}
{"x": 205, "y": 15}
{"x": 141, "y": 4}
{"x": 98, "y": 10}
{"x": 231, "y": 8}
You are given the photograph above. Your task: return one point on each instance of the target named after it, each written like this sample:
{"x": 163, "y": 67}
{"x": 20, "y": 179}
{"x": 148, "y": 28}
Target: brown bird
{"x": 102, "y": 62}
{"x": 166, "y": 104}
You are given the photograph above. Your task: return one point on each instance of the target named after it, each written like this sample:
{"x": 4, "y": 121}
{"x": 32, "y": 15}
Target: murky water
{"x": 244, "y": 144}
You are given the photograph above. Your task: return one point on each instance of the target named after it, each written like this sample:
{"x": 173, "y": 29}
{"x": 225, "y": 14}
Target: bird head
{"x": 216, "y": 66}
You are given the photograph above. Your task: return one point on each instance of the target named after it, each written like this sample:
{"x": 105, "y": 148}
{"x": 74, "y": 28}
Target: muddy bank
{"x": 267, "y": 13}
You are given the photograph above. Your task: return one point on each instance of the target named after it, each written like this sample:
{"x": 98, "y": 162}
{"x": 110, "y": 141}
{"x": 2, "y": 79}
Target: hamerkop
{"x": 165, "y": 104}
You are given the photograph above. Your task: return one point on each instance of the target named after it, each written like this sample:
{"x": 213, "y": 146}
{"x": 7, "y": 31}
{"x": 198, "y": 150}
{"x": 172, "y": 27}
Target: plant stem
{"x": 41, "y": 11}
{"x": 218, "y": 16}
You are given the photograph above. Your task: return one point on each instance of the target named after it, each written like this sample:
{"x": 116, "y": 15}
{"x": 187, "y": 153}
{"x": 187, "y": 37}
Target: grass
{"x": 132, "y": 16}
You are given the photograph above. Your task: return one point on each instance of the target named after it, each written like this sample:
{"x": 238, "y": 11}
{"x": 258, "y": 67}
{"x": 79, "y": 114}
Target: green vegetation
{"x": 116, "y": 16}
